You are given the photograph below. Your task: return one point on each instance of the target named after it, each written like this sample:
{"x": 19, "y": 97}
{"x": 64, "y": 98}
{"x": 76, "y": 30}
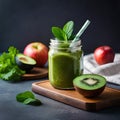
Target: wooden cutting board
{"x": 36, "y": 73}
{"x": 110, "y": 97}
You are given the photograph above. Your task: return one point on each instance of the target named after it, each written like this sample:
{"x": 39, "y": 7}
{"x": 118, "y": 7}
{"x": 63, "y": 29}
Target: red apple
{"x": 38, "y": 51}
{"x": 104, "y": 54}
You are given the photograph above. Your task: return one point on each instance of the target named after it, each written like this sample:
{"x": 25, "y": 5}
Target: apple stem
{"x": 35, "y": 46}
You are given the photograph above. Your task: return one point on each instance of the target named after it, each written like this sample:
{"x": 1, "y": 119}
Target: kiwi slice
{"x": 89, "y": 85}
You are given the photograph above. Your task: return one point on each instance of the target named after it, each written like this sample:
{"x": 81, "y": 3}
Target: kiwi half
{"x": 89, "y": 85}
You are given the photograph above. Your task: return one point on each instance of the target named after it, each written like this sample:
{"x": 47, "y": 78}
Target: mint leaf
{"x": 59, "y": 33}
{"x": 27, "y": 97}
{"x": 31, "y": 101}
{"x": 65, "y": 33}
{"x": 68, "y": 28}
{"x": 21, "y": 97}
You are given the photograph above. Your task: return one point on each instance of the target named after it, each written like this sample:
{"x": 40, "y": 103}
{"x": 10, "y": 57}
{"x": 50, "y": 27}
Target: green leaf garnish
{"x": 65, "y": 33}
{"x": 68, "y": 28}
{"x": 28, "y": 98}
{"x": 59, "y": 33}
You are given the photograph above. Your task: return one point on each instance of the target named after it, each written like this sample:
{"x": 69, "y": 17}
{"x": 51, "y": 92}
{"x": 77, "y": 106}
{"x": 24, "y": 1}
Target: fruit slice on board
{"x": 89, "y": 85}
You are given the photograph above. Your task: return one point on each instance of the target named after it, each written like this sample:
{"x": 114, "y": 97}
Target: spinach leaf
{"x": 28, "y": 98}
{"x": 31, "y": 101}
{"x": 21, "y": 97}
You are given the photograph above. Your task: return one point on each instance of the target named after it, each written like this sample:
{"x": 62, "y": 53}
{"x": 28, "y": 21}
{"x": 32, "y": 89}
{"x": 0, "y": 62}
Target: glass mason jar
{"x": 65, "y": 61}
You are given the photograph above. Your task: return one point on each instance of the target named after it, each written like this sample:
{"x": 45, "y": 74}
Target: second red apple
{"x": 104, "y": 54}
{"x": 38, "y": 51}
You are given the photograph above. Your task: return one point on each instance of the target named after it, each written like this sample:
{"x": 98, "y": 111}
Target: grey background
{"x": 25, "y": 21}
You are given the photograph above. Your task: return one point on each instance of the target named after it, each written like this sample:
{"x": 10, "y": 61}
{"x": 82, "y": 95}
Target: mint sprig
{"x": 64, "y": 33}
{"x": 28, "y": 98}
{"x": 68, "y": 29}
{"x": 59, "y": 33}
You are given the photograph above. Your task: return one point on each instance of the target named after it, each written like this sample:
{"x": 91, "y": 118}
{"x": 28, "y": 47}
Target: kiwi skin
{"x": 90, "y": 93}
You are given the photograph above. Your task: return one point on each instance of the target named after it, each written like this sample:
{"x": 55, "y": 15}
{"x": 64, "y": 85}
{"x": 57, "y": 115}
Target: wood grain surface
{"x": 109, "y": 98}
{"x": 36, "y": 73}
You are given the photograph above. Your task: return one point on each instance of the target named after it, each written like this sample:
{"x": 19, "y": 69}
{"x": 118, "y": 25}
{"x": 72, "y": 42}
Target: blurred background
{"x": 25, "y": 21}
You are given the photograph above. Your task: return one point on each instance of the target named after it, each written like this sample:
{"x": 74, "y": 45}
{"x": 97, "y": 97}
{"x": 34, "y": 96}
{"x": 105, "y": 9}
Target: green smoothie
{"x": 65, "y": 55}
{"x": 63, "y": 68}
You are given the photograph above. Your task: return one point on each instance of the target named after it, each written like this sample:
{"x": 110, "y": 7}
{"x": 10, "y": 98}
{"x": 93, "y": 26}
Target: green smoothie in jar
{"x": 65, "y": 56}
{"x": 64, "y": 65}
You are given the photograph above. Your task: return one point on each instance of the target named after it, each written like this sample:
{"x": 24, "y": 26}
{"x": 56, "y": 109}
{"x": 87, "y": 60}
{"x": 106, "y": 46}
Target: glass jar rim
{"x": 63, "y": 41}
{"x": 54, "y": 43}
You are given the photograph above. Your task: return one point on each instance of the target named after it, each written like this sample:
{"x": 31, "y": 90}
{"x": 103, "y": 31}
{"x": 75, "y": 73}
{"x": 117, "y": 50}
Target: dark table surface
{"x": 10, "y": 109}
